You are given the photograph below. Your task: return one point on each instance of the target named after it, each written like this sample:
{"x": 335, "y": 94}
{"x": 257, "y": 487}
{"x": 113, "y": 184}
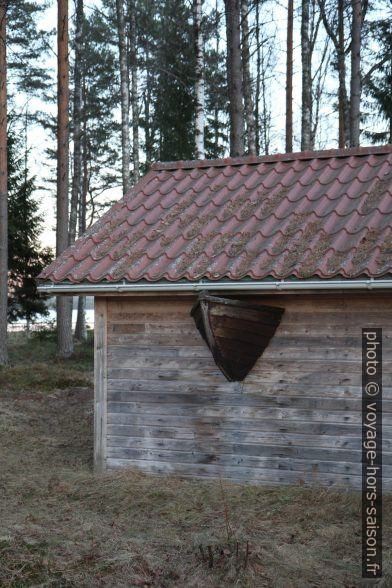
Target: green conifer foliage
{"x": 26, "y": 258}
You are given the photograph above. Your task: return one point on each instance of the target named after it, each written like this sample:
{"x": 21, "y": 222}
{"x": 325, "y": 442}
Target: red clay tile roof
{"x": 313, "y": 214}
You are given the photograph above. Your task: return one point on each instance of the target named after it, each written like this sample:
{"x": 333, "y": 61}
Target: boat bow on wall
{"x": 236, "y": 332}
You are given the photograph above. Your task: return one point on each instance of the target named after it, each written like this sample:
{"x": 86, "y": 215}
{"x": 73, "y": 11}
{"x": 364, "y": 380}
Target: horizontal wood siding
{"x": 296, "y": 418}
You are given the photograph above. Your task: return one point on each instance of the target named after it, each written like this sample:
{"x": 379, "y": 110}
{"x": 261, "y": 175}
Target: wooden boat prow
{"x": 237, "y": 333}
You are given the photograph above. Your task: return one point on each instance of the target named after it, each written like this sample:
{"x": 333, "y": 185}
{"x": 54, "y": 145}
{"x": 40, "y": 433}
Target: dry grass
{"x": 64, "y": 526}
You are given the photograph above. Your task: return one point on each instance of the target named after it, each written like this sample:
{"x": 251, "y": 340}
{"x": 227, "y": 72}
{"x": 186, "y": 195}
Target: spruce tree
{"x": 26, "y": 259}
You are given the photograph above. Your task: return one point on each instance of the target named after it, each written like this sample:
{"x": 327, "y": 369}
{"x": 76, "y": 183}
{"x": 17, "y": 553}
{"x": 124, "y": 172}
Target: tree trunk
{"x": 266, "y": 117}
{"x": 77, "y": 124}
{"x": 147, "y": 102}
{"x": 217, "y": 45}
{"x": 124, "y": 78}
{"x": 199, "y": 75}
{"x": 306, "y": 53}
{"x": 64, "y": 304}
{"x": 3, "y": 188}
{"x": 234, "y": 77}
{"x": 247, "y": 81}
{"x": 289, "y": 78}
{"x": 338, "y": 42}
{"x": 355, "y": 86}
{"x": 343, "y": 103}
{"x": 80, "y": 327}
{"x": 258, "y": 84}
{"x": 134, "y": 89}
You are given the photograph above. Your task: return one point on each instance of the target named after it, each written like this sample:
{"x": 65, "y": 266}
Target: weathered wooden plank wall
{"x": 100, "y": 382}
{"x": 295, "y": 418}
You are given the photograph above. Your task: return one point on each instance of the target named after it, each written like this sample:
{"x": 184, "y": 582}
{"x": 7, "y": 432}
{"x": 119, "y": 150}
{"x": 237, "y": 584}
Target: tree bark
{"x": 134, "y": 89}
{"x": 147, "y": 95}
{"x": 3, "y": 187}
{"x": 247, "y": 80}
{"x": 289, "y": 78}
{"x": 234, "y": 77}
{"x": 77, "y": 124}
{"x": 80, "y": 327}
{"x": 199, "y": 82}
{"x": 64, "y": 304}
{"x": 217, "y": 46}
{"x": 338, "y": 42}
{"x": 355, "y": 86}
{"x": 124, "y": 79}
{"x": 343, "y": 103}
{"x": 306, "y": 53}
{"x": 258, "y": 82}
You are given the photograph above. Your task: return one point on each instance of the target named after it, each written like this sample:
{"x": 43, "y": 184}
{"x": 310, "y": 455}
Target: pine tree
{"x": 26, "y": 259}
{"x": 173, "y": 66}
{"x": 334, "y": 16}
{"x": 355, "y": 82}
{"x": 124, "y": 76}
{"x": 64, "y": 304}
{"x": 234, "y": 77}
{"x": 289, "y": 77}
{"x": 3, "y": 186}
{"x": 247, "y": 79}
{"x": 377, "y": 83}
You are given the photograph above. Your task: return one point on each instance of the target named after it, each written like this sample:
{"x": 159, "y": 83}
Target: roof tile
{"x": 325, "y": 214}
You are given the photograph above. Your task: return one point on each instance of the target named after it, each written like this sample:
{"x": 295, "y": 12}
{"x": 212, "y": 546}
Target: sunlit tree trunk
{"x": 199, "y": 83}
{"x": 64, "y": 304}
{"x": 3, "y": 188}
{"x": 124, "y": 80}
{"x": 234, "y": 77}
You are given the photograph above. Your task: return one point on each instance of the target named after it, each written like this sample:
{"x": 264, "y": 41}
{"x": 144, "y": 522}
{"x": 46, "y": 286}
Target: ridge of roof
{"x": 256, "y": 159}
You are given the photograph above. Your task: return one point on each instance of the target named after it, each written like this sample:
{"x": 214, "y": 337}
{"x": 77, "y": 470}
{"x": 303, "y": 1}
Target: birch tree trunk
{"x": 234, "y": 77}
{"x": 355, "y": 86}
{"x": 77, "y": 124}
{"x": 289, "y": 78}
{"x": 124, "y": 79}
{"x": 134, "y": 89}
{"x": 247, "y": 80}
{"x": 64, "y": 304}
{"x": 199, "y": 83}
{"x": 3, "y": 188}
{"x": 306, "y": 53}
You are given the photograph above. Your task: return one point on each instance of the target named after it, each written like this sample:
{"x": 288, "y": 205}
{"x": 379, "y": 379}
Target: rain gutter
{"x": 254, "y": 285}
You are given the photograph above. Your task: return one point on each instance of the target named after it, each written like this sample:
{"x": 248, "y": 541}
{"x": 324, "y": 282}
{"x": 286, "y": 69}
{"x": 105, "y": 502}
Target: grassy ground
{"x": 64, "y": 526}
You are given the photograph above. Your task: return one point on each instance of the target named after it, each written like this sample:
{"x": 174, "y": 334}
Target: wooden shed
{"x": 230, "y": 296}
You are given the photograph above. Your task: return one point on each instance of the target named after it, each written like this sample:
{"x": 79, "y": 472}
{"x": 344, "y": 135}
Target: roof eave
{"x": 250, "y": 286}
